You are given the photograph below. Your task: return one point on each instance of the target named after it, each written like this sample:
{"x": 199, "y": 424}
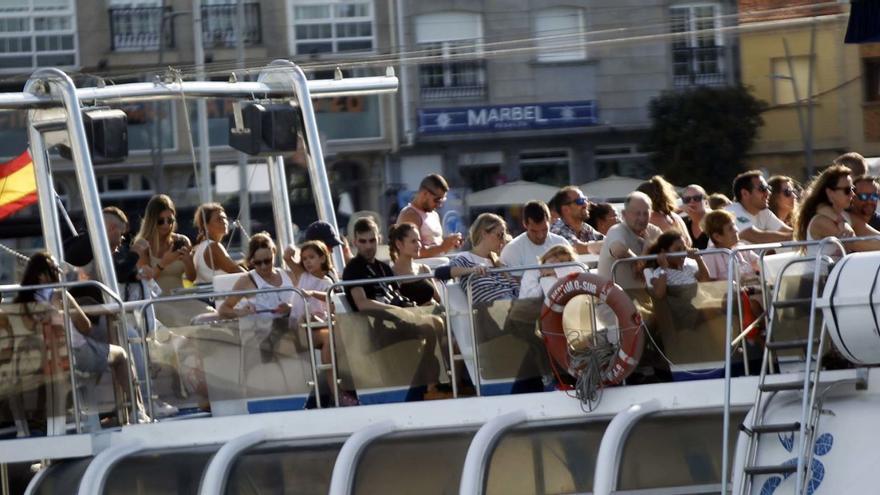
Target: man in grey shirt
{"x": 628, "y": 239}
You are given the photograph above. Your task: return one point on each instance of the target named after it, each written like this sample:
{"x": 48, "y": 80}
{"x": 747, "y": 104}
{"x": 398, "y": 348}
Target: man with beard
{"x": 422, "y": 212}
{"x": 864, "y": 205}
{"x": 526, "y": 248}
{"x": 573, "y": 209}
{"x": 754, "y": 220}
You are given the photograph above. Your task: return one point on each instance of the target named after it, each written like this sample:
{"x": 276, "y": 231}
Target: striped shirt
{"x": 490, "y": 287}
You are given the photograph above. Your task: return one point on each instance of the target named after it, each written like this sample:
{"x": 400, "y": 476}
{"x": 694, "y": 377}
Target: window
{"x": 559, "y": 34}
{"x": 332, "y": 27}
{"x": 454, "y": 41}
{"x": 549, "y": 167}
{"x": 623, "y": 160}
{"x": 784, "y": 83}
{"x": 872, "y": 79}
{"x": 37, "y": 33}
{"x": 697, "y": 55}
{"x": 136, "y": 26}
{"x": 124, "y": 185}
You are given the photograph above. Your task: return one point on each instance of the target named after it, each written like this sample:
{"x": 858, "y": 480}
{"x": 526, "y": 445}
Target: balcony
{"x": 453, "y": 80}
{"x": 218, "y": 25}
{"x": 698, "y": 66}
{"x": 137, "y": 29}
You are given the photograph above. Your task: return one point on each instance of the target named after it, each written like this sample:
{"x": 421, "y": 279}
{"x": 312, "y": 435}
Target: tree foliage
{"x": 702, "y": 135}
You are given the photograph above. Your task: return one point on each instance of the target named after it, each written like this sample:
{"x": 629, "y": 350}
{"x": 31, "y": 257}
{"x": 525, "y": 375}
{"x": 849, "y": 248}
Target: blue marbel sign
{"x": 509, "y": 117}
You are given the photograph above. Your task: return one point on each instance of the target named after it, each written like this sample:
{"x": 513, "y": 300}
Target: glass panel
{"x": 352, "y": 117}
{"x": 311, "y": 12}
{"x": 691, "y": 452}
{"x": 62, "y": 476}
{"x": 51, "y": 23}
{"x": 167, "y": 473}
{"x": 545, "y": 459}
{"x": 353, "y": 10}
{"x": 14, "y": 24}
{"x": 352, "y": 46}
{"x": 142, "y": 125}
{"x": 413, "y": 464}
{"x": 60, "y": 60}
{"x": 283, "y": 469}
{"x": 382, "y": 350}
{"x": 310, "y": 48}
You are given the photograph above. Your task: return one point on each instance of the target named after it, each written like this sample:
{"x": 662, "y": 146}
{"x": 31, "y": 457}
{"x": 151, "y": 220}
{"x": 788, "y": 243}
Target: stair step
{"x": 792, "y": 303}
{"x": 791, "y": 344}
{"x": 780, "y": 386}
{"x": 777, "y": 428}
{"x": 775, "y": 469}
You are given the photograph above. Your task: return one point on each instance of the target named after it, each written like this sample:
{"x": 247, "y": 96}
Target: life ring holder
{"x": 632, "y": 336}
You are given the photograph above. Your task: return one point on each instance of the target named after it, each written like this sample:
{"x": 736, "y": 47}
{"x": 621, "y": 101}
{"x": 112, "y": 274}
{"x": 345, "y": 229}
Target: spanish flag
{"x": 18, "y": 184}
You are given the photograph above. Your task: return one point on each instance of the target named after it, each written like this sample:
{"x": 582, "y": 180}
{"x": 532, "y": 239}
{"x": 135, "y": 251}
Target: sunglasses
{"x": 267, "y": 261}
{"x": 367, "y": 241}
{"x": 848, "y": 190}
{"x": 696, "y": 198}
{"x": 789, "y": 193}
{"x": 868, "y": 196}
{"x": 580, "y": 201}
{"x": 163, "y": 221}
{"x": 764, "y": 188}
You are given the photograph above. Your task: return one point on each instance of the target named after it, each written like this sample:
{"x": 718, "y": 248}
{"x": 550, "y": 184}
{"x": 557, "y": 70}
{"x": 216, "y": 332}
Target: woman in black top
{"x": 404, "y": 244}
{"x": 694, "y": 202}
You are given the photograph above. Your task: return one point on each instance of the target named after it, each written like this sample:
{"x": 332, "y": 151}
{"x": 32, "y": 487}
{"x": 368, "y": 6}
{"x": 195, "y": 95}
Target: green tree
{"x": 702, "y": 135}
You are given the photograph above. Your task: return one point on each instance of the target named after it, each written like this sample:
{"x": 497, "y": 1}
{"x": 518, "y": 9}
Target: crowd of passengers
{"x": 841, "y": 201}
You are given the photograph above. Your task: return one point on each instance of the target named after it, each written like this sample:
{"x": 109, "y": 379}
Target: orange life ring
{"x": 632, "y": 339}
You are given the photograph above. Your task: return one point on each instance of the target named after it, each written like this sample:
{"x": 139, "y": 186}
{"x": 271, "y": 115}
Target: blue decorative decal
{"x": 821, "y": 447}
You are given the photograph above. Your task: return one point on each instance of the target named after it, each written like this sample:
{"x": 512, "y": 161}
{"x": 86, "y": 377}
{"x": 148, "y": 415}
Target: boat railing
{"x": 56, "y": 401}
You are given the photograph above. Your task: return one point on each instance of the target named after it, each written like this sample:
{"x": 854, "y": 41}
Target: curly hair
{"x": 662, "y": 194}
{"x": 815, "y": 197}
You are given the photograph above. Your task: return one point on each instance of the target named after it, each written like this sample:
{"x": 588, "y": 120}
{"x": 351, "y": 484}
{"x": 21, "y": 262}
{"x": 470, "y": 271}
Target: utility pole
{"x": 204, "y": 182}
{"x": 244, "y": 200}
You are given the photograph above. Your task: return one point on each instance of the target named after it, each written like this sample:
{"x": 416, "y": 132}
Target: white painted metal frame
{"x": 215, "y": 475}
{"x": 611, "y": 448}
{"x": 342, "y": 480}
{"x": 95, "y": 476}
{"x": 474, "y": 472}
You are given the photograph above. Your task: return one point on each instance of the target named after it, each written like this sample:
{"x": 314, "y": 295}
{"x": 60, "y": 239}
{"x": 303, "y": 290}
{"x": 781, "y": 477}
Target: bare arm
{"x": 221, "y": 259}
{"x": 758, "y": 236}
{"x": 449, "y": 242}
{"x": 362, "y": 302}
{"x": 862, "y": 229}
{"x": 703, "y": 272}
{"x": 77, "y": 316}
{"x": 187, "y": 258}
{"x": 227, "y": 309}
{"x": 410, "y": 215}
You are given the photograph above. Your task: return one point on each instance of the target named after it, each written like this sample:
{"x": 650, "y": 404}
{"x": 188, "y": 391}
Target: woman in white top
{"x": 263, "y": 275}
{"x": 210, "y": 257}
{"x": 823, "y": 211}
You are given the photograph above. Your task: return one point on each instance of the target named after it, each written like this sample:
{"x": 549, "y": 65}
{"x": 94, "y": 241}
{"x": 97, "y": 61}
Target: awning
{"x": 512, "y": 193}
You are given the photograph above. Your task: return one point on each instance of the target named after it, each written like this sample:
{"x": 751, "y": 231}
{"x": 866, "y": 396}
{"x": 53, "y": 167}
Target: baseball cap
{"x": 324, "y": 232}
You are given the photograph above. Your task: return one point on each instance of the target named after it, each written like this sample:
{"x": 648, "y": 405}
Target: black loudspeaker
{"x": 107, "y": 135}
{"x": 267, "y": 129}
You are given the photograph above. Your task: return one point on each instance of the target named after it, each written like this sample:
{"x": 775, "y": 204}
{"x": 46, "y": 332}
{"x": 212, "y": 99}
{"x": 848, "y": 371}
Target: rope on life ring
{"x": 613, "y": 366}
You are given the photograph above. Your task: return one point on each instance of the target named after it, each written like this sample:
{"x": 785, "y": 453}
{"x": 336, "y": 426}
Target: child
{"x": 311, "y": 274}
{"x": 673, "y": 271}
{"x": 531, "y": 287}
{"x": 721, "y": 229}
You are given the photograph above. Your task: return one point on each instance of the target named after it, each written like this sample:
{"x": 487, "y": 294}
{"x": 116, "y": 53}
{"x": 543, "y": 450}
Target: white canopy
{"x": 611, "y": 188}
{"x": 512, "y": 193}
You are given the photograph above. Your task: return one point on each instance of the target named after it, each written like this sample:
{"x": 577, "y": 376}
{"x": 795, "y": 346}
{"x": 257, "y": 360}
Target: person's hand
{"x": 662, "y": 261}
{"x": 290, "y": 253}
{"x": 145, "y": 273}
{"x": 548, "y": 272}
{"x": 451, "y": 242}
{"x": 169, "y": 257}
{"x": 479, "y": 270}
{"x": 693, "y": 253}
{"x": 185, "y": 251}
{"x": 282, "y": 309}
{"x": 246, "y": 308}
{"x": 141, "y": 247}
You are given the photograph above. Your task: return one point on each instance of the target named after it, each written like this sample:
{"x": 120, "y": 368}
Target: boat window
{"x": 409, "y": 463}
{"x": 675, "y": 451}
{"x": 545, "y": 459}
{"x": 159, "y": 472}
{"x": 283, "y": 468}
{"x": 62, "y": 476}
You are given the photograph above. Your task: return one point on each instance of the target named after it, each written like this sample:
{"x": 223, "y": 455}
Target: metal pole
{"x": 797, "y": 104}
{"x": 49, "y": 217}
{"x": 808, "y": 144}
{"x": 312, "y": 142}
{"x": 85, "y": 175}
{"x": 280, "y": 202}
{"x": 204, "y": 183}
{"x": 244, "y": 204}
{"x": 157, "y": 154}
{"x": 404, "y": 75}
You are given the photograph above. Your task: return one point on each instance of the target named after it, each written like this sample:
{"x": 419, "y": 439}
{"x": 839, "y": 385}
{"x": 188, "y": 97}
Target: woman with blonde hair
{"x": 487, "y": 235}
{"x": 783, "y": 198}
{"x": 169, "y": 254}
{"x": 210, "y": 257}
{"x": 663, "y": 205}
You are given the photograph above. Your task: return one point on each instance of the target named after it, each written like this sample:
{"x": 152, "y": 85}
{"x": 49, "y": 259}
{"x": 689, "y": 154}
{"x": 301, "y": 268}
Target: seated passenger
{"x": 384, "y": 303}
{"x": 694, "y": 201}
{"x": 663, "y": 204}
{"x": 89, "y": 354}
{"x": 169, "y": 255}
{"x": 783, "y": 198}
{"x": 324, "y": 232}
{"x": 404, "y": 245}
{"x": 719, "y": 201}
{"x": 628, "y": 239}
{"x": 823, "y": 211}
{"x": 864, "y": 204}
{"x": 530, "y": 284}
{"x": 572, "y": 208}
{"x": 263, "y": 275}
{"x": 422, "y": 212}
{"x": 526, "y": 248}
{"x": 720, "y": 226}
{"x": 674, "y": 271}
{"x": 210, "y": 257}
{"x": 602, "y": 216}
{"x": 754, "y": 220}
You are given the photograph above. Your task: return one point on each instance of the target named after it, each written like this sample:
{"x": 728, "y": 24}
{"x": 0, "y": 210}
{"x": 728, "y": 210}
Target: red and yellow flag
{"x": 18, "y": 184}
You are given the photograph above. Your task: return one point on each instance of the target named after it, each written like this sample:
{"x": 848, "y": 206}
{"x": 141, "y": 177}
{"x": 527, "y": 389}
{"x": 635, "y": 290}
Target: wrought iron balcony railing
{"x": 138, "y": 28}
{"x": 218, "y": 24}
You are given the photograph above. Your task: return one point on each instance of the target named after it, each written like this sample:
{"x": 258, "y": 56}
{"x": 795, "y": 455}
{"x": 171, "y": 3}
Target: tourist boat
{"x": 775, "y": 422}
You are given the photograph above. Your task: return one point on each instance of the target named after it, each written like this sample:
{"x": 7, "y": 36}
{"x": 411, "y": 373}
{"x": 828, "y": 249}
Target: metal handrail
{"x": 122, "y": 336}
{"x": 397, "y": 278}
{"x": 248, "y": 292}
{"x": 470, "y": 299}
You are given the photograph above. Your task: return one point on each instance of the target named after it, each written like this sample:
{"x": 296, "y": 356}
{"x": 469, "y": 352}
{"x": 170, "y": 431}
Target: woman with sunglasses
{"x": 694, "y": 201}
{"x": 783, "y": 198}
{"x": 169, "y": 254}
{"x": 263, "y": 275}
{"x": 663, "y": 199}
{"x": 823, "y": 211}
